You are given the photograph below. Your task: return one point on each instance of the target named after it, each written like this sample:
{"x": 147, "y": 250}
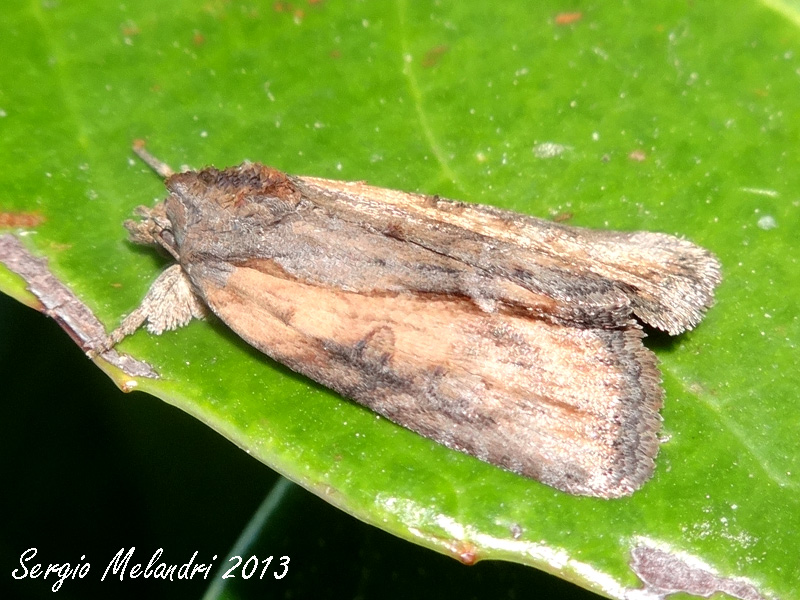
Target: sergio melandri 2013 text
{"x": 122, "y": 564}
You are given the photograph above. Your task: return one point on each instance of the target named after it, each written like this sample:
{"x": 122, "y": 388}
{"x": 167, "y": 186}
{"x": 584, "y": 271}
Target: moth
{"x": 510, "y": 338}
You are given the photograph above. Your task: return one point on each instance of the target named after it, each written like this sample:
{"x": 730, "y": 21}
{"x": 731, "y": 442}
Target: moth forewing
{"x": 497, "y": 334}
{"x": 668, "y": 281}
{"x": 499, "y": 387}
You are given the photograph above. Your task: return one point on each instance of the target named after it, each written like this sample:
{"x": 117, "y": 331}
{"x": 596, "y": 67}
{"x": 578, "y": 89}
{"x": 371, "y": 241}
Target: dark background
{"x": 88, "y": 470}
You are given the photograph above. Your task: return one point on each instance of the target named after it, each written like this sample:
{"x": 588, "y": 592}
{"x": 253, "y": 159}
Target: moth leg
{"x": 169, "y": 304}
{"x": 151, "y": 161}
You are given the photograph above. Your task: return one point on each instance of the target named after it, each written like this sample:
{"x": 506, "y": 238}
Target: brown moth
{"x": 501, "y": 335}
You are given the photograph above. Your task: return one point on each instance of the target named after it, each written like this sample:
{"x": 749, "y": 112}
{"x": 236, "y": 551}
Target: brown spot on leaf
{"x": 433, "y": 55}
{"x": 129, "y": 28}
{"x": 567, "y": 18}
{"x": 666, "y": 573}
{"x": 21, "y": 219}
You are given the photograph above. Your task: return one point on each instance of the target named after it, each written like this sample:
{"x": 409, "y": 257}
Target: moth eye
{"x": 167, "y": 237}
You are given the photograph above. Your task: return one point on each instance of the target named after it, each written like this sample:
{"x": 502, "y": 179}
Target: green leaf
{"x": 674, "y": 117}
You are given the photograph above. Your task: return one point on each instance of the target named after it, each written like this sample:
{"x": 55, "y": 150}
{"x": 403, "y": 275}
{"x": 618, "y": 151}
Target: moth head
{"x": 235, "y": 190}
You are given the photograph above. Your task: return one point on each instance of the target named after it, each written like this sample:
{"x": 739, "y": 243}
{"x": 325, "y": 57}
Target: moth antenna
{"x": 159, "y": 166}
